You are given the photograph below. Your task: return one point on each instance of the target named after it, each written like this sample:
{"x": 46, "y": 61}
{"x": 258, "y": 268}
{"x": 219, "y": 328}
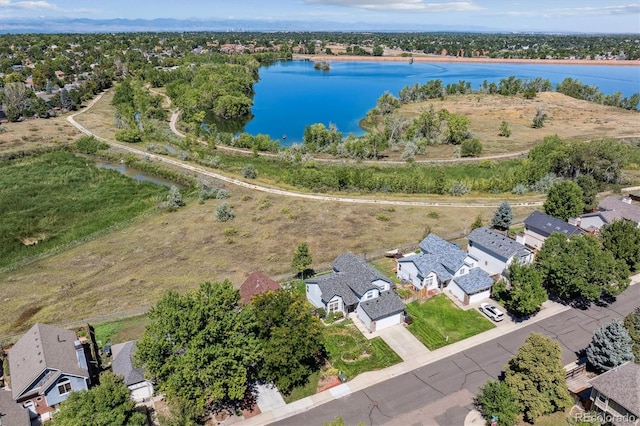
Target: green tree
{"x": 590, "y": 188}
{"x": 527, "y": 293}
{"x": 477, "y": 223}
{"x": 440, "y": 181}
{"x": 200, "y": 347}
{"x": 502, "y": 217}
{"x": 536, "y": 378}
{"x": 495, "y": 399}
{"x": 632, "y": 324}
{"x": 579, "y": 267}
{"x": 622, "y": 238}
{"x": 564, "y": 200}
{"x": 290, "y": 336}
{"x": 457, "y": 128}
{"x": 505, "y": 131}
{"x": 610, "y": 346}
{"x": 107, "y": 404}
{"x": 301, "y": 260}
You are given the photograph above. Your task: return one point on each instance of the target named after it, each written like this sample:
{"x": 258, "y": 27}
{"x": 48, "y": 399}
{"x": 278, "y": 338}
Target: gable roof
{"x": 446, "y": 253}
{"x": 620, "y": 209}
{"x": 123, "y": 363}
{"x": 256, "y": 283}
{"x": 387, "y": 304}
{"x": 351, "y": 278}
{"x": 474, "y": 282}
{"x": 427, "y": 263}
{"x": 43, "y": 347}
{"x": 622, "y": 384}
{"x": 497, "y": 243}
{"x": 545, "y": 225}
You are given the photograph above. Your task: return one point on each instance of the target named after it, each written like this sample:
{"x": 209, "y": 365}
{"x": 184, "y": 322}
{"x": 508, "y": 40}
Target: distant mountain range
{"x": 61, "y": 25}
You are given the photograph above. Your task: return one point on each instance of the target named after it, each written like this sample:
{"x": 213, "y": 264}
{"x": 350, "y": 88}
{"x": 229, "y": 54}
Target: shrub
{"x": 458, "y": 189}
{"x": 539, "y": 119}
{"x": 174, "y": 199}
{"x": 211, "y": 161}
{"x": 505, "y": 131}
{"x": 222, "y": 194}
{"x": 129, "y": 135}
{"x": 520, "y": 189}
{"x": 383, "y": 217}
{"x": 249, "y": 172}
{"x": 224, "y": 213}
{"x": 470, "y": 148}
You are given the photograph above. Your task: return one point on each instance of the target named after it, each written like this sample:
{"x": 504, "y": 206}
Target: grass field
{"x": 56, "y": 198}
{"x": 438, "y": 318}
{"x": 121, "y": 331}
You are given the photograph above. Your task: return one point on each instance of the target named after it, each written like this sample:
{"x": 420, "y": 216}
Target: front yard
{"x": 438, "y": 322}
{"x": 349, "y": 352}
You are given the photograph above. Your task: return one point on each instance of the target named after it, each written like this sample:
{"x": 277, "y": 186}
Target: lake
{"x": 291, "y": 95}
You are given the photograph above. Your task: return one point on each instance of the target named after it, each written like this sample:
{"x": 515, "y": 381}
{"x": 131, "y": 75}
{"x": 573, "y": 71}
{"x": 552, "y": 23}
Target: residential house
{"x": 539, "y": 226}
{"x": 256, "y": 283}
{"x": 353, "y": 286}
{"x": 616, "y": 394}
{"x": 141, "y": 389}
{"x": 495, "y": 251}
{"x": 436, "y": 264}
{"x": 472, "y": 287}
{"x": 47, "y": 364}
{"x": 609, "y": 210}
{"x": 11, "y": 413}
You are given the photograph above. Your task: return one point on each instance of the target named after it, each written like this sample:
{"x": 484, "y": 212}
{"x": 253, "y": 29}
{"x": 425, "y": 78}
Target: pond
{"x": 136, "y": 174}
{"x": 291, "y": 95}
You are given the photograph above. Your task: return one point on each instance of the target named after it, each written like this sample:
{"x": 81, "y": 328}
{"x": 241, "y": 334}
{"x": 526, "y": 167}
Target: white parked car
{"x": 491, "y": 311}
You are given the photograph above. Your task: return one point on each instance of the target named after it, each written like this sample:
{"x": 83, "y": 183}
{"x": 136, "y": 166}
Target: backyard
{"x": 438, "y": 322}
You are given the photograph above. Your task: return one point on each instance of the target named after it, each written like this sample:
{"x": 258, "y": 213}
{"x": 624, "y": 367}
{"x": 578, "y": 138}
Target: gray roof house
{"x": 123, "y": 365}
{"x": 616, "y": 394}
{"x": 495, "y": 251}
{"x": 438, "y": 262}
{"x": 352, "y": 282}
{"x": 539, "y": 226}
{"x": 47, "y": 364}
{"x": 11, "y": 413}
{"x": 609, "y": 210}
{"x": 472, "y": 287}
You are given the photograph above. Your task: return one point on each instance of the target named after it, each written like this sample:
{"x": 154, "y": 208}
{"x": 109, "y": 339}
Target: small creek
{"x": 136, "y": 174}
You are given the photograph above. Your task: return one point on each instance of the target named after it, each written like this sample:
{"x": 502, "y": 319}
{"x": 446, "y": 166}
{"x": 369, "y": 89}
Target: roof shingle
{"x": 622, "y": 384}
{"x": 497, "y": 243}
{"x": 475, "y": 281}
{"x": 387, "y": 304}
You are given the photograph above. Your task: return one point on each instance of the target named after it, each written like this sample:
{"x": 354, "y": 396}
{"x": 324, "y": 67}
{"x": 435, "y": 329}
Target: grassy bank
{"x": 55, "y": 198}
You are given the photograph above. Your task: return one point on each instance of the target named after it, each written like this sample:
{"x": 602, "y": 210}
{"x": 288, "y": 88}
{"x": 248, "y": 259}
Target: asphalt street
{"x": 433, "y": 384}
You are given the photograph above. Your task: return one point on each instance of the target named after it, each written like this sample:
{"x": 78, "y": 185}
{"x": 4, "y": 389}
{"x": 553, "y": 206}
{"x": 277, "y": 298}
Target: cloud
{"x": 27, "y": 5}
{"x": 402, "y": 5}
{"x": 629, "y": 9}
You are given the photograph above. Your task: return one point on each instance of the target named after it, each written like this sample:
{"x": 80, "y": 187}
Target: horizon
{"x": 544, "y": 16}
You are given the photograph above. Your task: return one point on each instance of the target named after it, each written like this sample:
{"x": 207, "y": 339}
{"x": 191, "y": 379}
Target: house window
{"x": 64, "y": 386}
{"x": 399, "y": 267}
{"x": 370, "y": 295}
{"x": 333, "y": 306}
{"x": 428, "y": 281}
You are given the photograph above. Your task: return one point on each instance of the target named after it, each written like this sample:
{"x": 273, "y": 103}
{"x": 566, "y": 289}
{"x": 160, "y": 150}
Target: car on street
{"x": 491, "y": 311}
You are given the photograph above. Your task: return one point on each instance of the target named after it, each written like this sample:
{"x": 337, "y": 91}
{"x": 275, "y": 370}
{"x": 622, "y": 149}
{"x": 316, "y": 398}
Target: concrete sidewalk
{"x": 370, "y": 378}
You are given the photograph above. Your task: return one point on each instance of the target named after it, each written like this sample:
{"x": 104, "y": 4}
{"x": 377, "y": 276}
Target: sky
{"x": 593, "y": 16}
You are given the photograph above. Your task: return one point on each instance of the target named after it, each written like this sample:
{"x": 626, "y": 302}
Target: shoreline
{"x": 460, "y": 60}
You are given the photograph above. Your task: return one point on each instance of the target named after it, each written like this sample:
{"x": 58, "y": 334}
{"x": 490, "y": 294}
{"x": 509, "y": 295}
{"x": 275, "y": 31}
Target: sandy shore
{"x": 459, "y": 60}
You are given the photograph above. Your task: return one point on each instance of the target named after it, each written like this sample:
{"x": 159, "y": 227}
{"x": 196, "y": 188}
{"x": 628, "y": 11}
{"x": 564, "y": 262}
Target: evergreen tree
{"x": 496, "y": 400}
{"x": 65, "y": 100}
{"x": 302, "y": 259}
{"x": 610, "y": 346}
{"x": 477, "y": 223}
{"x": 632, "y": 324}
{"x": 502, "y": 217}
{"x": 536, "y": 378}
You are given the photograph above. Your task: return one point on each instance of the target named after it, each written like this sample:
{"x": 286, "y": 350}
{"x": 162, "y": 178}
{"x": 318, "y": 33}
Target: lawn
{"x": 351, "y": 353}
{"x": 310, "y": 388}
{"x": 438, "y": 318}
{"x": 121, "y": 330}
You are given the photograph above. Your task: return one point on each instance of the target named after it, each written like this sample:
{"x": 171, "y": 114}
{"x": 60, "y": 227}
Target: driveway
{"x": 403, "y": 342}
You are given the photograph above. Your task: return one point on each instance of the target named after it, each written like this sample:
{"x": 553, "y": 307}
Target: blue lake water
{"x": 291, "y": 95}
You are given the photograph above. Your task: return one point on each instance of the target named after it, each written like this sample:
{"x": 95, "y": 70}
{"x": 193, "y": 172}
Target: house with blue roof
{"x": 355, "y": 286}
{"x": 539, "y": 226}
{"x": 436, "y": 264}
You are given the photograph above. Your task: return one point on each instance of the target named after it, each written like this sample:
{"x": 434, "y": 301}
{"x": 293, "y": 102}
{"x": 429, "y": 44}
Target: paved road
{"x": 462, "y": 374}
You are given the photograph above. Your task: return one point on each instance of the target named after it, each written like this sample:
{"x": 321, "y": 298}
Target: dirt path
{"x": 233, "y": 181}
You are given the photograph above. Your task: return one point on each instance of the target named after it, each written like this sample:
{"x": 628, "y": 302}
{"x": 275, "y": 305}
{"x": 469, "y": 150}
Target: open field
{"x": 37, "y": 133}
{"x": 134, "y": 266}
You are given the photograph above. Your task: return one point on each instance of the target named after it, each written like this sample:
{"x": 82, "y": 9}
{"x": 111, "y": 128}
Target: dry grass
{"x": 133, "y": 267}
{"x": 568, "y": 118}
{"x": 37, "y": 133}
